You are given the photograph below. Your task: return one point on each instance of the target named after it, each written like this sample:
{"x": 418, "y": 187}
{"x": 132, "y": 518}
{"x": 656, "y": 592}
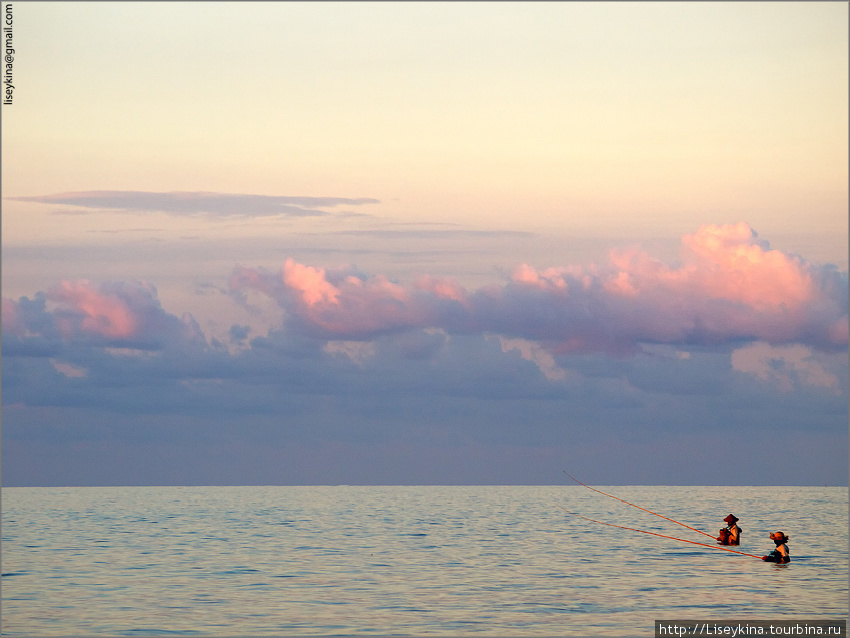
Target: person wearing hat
{"x": 731, "y": 534}
{"x": 781, "y": 554}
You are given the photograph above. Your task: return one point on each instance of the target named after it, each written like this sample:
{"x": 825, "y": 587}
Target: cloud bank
{"x": 199, "y": 203}
{"x": 375, "y": 378}
{"x": 730, "y": 287}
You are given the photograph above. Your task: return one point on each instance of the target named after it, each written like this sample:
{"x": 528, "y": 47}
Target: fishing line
{"x": 642, "y": 508}
{"x": 632, "y": 529}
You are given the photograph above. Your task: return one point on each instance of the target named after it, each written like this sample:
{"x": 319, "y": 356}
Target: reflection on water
{"x": 230, "y": 561}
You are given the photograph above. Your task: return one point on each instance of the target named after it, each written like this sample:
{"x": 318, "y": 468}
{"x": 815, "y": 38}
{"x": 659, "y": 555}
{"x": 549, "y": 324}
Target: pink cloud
{"x": 93, "y": 311}
{"x": 729, "y": 263}
{"x": 442, "y": 288}
{"x": 724, "y": 263}
{"x": 117, "y": 313}
{"x": 730, "y": 286}
{"x": 310, "y": 283}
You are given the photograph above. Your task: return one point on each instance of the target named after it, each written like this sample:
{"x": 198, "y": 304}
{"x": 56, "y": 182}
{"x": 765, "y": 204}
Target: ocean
{"x": 409, "y": 560}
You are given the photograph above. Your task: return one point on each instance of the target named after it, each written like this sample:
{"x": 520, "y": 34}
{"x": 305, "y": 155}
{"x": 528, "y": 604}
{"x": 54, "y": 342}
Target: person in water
{"x": 781, "y": 554}
{"x": 731, "y": 534}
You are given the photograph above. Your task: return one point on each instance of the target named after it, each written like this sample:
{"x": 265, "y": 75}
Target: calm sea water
{"x": 415, "y": 561}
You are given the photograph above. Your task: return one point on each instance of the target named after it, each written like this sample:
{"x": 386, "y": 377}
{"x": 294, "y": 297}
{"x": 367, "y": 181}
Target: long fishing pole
{"x": 632, "y": 529}
{"x": 642, "y": 508}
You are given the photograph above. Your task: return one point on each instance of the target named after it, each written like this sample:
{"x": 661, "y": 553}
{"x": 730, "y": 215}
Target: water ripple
{"x": 429, "y": 561}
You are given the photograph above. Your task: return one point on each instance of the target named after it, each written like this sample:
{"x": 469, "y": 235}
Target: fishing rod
{"x": 642, "y": 508}
{"x": 632, "y": 529}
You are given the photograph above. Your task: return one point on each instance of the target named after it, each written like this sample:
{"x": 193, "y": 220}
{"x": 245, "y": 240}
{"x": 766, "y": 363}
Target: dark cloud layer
{"x": 199, "y": 203}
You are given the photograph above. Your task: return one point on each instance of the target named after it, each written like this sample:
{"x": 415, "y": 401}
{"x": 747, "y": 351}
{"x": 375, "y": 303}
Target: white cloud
{"x": 531, "y": 351}
{"x": 784, "y": 366}
{"x": 69, "y": 370}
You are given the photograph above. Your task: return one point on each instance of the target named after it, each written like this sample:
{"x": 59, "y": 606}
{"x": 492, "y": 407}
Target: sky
{"x": 425, "y": 243}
